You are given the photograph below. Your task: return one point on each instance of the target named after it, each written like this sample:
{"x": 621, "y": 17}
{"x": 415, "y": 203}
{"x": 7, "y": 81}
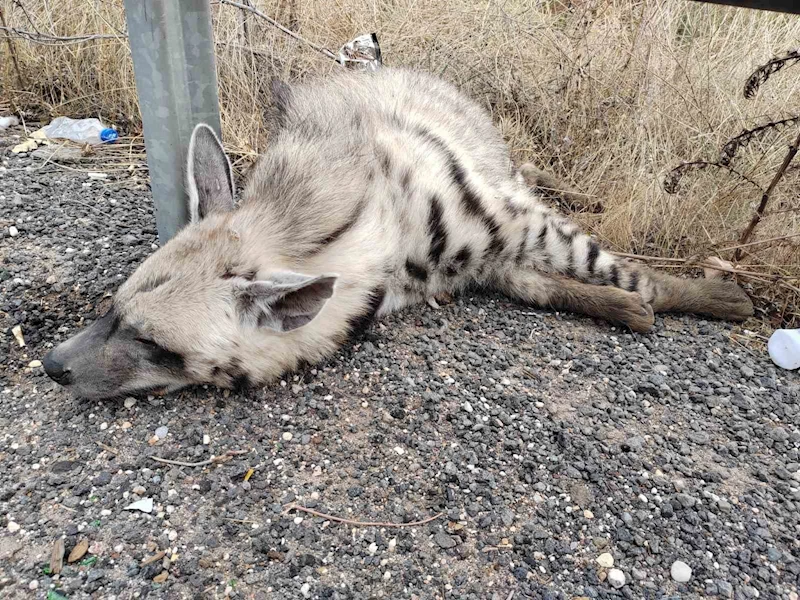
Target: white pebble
{"x": 373, "y": 548}
{"x": 399, "y": 450}
{"x": 105, "y": 512}
{"x": 103, "y": 426}
{"x": 13, "y": 527}
{"x": 287, "y": 436}
{"x": 35, "y": 364}
{"x": 206, "y": 439}
{"x": 298, "y": 520}
{"x": 161, "y": 432}
{"x": 130, "y": 402}
{"x": 616, "y": 578}
{"x": 387, "y": 576}
{"x": 467, "y": 407}
{"x": 305, "y": 589}
{"x": 172, "y": 535}
{"x": 13, "y": 231}
{"x": 680, "y": 571}
{"x": 605, "y": 560}
{"x": 33, "y": 584}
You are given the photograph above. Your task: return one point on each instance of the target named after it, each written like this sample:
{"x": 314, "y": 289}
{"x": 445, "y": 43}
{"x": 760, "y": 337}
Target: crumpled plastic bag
{"x": 362, "y": 53}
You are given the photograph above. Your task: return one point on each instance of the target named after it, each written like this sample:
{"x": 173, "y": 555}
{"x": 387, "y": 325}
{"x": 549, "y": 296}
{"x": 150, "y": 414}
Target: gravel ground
{"x": 567, "y": 457}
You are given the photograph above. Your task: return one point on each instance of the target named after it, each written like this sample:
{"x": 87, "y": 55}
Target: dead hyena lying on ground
{"x": 378, "y": 190}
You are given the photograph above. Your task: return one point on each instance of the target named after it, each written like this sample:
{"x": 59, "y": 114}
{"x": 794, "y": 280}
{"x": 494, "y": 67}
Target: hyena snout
{"x": 56, "y": 369}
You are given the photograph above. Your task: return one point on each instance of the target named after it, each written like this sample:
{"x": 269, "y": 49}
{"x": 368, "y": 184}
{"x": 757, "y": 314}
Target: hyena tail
{"x": 557, "y": 254}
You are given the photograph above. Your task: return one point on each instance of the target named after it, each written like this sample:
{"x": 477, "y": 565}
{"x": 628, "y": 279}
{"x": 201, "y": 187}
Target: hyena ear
{"x": 209, "y": 177}
{"x": 283, "y": 302}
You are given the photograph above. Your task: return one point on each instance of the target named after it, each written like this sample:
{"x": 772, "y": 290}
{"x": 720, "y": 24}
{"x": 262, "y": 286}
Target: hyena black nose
{"x": 56, "y": 370}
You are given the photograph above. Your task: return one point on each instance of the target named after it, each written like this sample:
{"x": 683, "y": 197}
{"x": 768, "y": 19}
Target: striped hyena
{"x": 378, "y": 190}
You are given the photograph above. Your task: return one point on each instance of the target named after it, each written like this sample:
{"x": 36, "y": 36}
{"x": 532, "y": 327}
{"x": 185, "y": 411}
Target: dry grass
{"x": 607, "y": 94}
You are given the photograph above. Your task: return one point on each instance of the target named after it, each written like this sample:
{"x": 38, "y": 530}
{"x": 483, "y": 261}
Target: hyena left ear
{"x": 209, "y": 177}
{"x": 283, "y": 302}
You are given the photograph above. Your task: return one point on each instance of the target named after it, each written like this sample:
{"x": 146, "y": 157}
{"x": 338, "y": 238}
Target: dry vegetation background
{"x": 607, "y": 94}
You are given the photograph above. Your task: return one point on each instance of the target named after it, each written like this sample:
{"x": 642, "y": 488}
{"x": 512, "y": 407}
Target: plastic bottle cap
{"x": 108, "y": 135}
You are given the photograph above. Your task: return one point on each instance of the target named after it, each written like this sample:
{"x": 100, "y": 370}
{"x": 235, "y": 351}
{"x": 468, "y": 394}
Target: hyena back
{"x": 378, "y": 190}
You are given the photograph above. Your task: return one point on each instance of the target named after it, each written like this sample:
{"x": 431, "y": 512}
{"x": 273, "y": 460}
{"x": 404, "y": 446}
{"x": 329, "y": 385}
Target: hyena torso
{"x": 378, "y": 190}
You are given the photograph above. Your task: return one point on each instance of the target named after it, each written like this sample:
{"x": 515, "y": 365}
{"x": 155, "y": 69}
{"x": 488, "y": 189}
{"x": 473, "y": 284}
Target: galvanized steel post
{"x": 172, "y": 45}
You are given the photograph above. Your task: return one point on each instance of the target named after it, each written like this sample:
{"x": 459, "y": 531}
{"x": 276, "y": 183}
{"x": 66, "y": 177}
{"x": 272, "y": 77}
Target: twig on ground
{"x": 107, "y": 448}
{"x": 56, "y": 40}
{"x": 213, "y": 460}
{"x": 316, "y": 513}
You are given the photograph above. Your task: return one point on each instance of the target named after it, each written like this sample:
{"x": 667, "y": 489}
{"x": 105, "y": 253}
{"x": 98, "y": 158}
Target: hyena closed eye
{"x": 378, "y": 190}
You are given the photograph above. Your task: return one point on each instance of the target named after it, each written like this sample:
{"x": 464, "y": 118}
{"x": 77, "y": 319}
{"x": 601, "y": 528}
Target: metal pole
{"x": 172, "y": 46}
{"x": 786, "y": 6}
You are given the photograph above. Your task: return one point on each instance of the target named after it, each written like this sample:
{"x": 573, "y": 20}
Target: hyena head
{"x": 187, "y": 313}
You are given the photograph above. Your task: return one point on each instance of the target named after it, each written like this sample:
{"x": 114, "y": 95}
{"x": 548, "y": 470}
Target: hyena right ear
{"x": 283, "y": 302}
{"x": 209, "y": 177}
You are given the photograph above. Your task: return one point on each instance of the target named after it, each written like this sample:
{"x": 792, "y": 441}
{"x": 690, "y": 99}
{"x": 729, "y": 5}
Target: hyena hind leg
{"x": 561, "y": 293}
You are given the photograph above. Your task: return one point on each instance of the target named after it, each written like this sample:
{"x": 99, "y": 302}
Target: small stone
{"x": 13, "y": 527}
{"x": 680, "y": 571}
{"x": 130, "y": 402}
{"x": 467, "y": 407}
{"x": 605, "y": 560}
{"x": 399, "y": 450}
{"x": 616, "y": 578}
{"x": 103, "y": 426}
{"x": 287, "y": 436}
{"x": 587, "y": 514}
{"x": 35, "y": 364}
{"x": 139, "y": 490}
{"x": 13, "y": 231}
{"x": 305, "y": 589}
{"x": 387, "y": 576}
{"x": 172, "y": 535}
{"x": 206, "y": 439}
{"x": 33, "y": 585}
{"x": 161, "y": 432}
{"x": 298, "y": 520}
{"x": 444, "y": 541}
{"x": 144, "y": 505}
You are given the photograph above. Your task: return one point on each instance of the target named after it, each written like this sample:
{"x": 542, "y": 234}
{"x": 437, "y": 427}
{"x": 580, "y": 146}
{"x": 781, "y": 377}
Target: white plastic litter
{"x": 362, "y": 54}
{"x": 784, "y": 348}
{"x": 83, "y": 131}
{"x": 144, "y": 505}
{"x": 6, "y": 122}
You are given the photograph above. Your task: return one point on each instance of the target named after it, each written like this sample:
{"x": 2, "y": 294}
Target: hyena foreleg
{"x": 556, "y": 246}
{"x": 561, "y": 293}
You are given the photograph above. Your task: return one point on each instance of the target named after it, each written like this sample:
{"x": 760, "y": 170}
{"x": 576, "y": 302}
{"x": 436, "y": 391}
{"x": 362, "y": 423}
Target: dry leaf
{"x": 718, "y": 262}
{"x": 79, "y": 550}
{"x": 57, "y": 556}
{"x": 161, "y": 577}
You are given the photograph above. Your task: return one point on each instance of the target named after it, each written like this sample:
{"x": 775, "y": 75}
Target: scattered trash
{"x": 97, "y": 175}
{"x": 249, "y": 474}
{"x": 54, "y": 595}
{"x": 17, "y": 331}
{"x": 784, "y": 348}
{"x": 57, "y": 556}
{"x": 711, "y": 273}
{"x": 144, "y": 505}
{"x": 83, "y": 131}
{"x": 6, "y": 122}
{"x": 78, "y": 551}
{"x": 26, "y": 146}
{"x": 363, "y": 53}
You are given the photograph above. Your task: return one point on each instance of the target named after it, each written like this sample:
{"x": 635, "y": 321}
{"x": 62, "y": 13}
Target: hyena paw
{"x": 726, "y": 300}
{"x": 631, "y": 310}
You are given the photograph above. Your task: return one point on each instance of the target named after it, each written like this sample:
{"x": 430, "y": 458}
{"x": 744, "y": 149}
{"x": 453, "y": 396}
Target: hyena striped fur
{"x": 378, "y": 190}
